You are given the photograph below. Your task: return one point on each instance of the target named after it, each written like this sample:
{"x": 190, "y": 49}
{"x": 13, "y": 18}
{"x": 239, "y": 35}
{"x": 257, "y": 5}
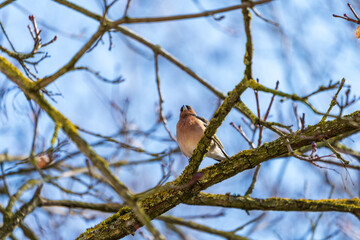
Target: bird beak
{"x": 185, "y": 107}
{"x": 182, "y": 108}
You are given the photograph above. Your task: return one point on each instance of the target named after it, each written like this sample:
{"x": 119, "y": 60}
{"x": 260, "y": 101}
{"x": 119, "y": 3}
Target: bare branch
{"x": 199, "y": 227}
{"x": 239, "y": 129}
{"x": 19, "y": 216}
{"x": 70, "y": 65}
{"x": 357, "y": 20}
{"x": 128, "y": 20}
{"x": 161, "y": 114}
{"x": 333, "y": 101}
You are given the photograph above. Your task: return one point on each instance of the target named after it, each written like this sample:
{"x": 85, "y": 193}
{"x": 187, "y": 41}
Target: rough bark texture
{"x": 124, "y": 223}
{"x": 276, "y": 204}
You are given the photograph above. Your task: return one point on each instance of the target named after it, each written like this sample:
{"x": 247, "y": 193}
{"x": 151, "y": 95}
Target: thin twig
{"x": 249, "y": 222}
{"x": 7, "y": 37}
{"x": 126, "y": 8}
{"x": 333, "y": 101}
{"x": 240, "y": 130}
{"x": 254, "y": 178}
{"x": 70, "y": 65}
{"x": 256, "y": 86}
{"x": 128, "y": 20}
{"x": 271, "y": 102}
{"x": 311, "y": 159}
{"x": 199, "y": 227}
{"x": 323, "y": 88}
{"x": 337, "y": 154}
{"x": 353, "y": 11}
{"x": 357, "y": 20}
{"x": 124, "y": 145}
{"x": 22, "y": 57}
{"x": 261, "y": 128}
{"x": 161, "y": 114}
{"x": 258, "y": 14}
{"x": 19, "y": 216}
{"x": 117, "y": 80}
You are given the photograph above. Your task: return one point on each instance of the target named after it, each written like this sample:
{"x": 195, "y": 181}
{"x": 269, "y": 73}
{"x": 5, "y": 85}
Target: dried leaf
{"x": 358, "y": 32}
{"x": 43, "y": 161}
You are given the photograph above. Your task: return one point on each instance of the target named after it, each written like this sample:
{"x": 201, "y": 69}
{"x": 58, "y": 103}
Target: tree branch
{"x": 224, "y": 109}
{"x": 257, "y": 86}
{"x": 174, "y": 193}
{"x": 240, "y": 106}
{"x": 200, "y": 227}
{"x": 6, "y": 2}
{"x": 27, "y": 87}
{"x": 276, "y": 204}
{"x": 102, "y": 207}
{"x": 70, "y": 64}
{"x": 129, "y": 20}
{"x": 19, "y": 216}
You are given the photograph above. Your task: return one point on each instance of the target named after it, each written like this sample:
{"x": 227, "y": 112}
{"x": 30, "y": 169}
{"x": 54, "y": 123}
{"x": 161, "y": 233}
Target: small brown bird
{"x": 189, "y": 131}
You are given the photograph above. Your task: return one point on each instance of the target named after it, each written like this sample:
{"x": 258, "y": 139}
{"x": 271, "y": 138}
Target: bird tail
{"x": 223, "y": 151}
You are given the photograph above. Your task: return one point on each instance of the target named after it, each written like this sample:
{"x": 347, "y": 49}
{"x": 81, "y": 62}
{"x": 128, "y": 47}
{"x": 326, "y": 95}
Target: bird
{"x": 189, "y": 131}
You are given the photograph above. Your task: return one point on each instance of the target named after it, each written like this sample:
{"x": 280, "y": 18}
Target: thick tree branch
{"x": 173, "y": 193}
{"x": 276, "y": 204}
{"x": 28, "y": 232}
{"x": 230, "y": 201}
{"x": 27, "y": 87}
{"x": 7, "y": 2}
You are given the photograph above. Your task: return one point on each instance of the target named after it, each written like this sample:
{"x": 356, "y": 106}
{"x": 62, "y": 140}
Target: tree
{"x": 104, "y": 149}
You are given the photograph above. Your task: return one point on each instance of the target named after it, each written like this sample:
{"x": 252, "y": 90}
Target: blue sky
{"x": 312, "y": 49}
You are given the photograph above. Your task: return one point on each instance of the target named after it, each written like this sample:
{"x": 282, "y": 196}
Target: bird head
{"x": 186, "y": 110}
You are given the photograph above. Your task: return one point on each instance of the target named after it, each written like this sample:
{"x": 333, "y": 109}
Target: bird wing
{"x": 203, "y": 120}
{"x": 215, "y": 138}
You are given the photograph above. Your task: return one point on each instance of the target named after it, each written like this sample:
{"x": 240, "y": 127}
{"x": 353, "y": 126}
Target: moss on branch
{"x": 70, "y": 129}
{"x": 174, "y": 193}
{"x": 276, "y": 204}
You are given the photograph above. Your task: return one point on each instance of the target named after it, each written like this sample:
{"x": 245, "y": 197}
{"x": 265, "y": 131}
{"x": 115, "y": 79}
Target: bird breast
{"x": 188, "y": 134}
